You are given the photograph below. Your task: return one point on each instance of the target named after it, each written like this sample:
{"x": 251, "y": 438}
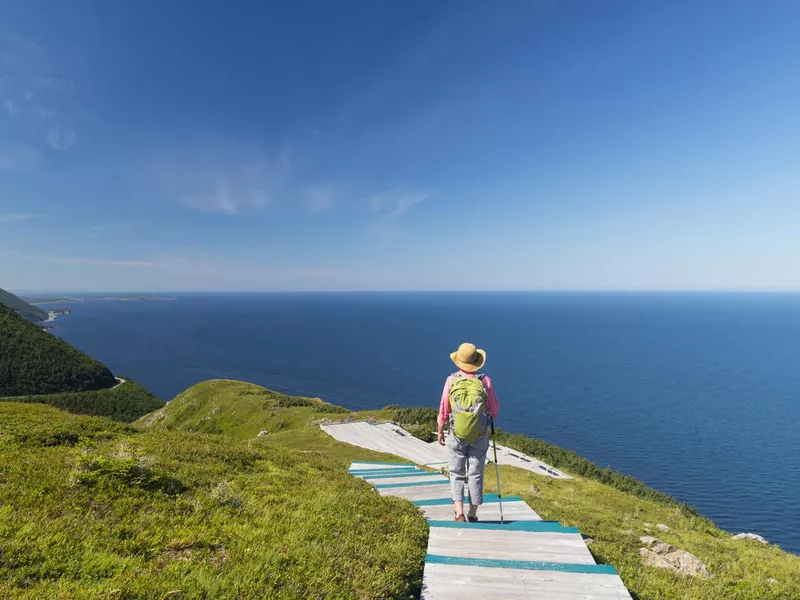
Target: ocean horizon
{"x": 695, "y": 393}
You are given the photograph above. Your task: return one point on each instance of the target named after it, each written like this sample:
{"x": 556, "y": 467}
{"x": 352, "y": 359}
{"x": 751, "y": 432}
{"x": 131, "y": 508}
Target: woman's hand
{"x": 441, "y": 437}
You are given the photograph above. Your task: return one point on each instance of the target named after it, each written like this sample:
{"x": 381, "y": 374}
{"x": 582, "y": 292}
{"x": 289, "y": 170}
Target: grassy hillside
{"x": 237, "y": 408}
{"x": 90, "y": 508}
{"x": 615, "y": 510}
{"x": 29, "y": 311}
{"x": 190, "y": 502}
{"x": 35, "y": 362}
{"x": 126, "y": 402}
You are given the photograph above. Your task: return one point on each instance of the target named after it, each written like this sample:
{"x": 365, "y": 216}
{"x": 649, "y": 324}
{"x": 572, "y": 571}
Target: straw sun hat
{"x": 468, "y": 358}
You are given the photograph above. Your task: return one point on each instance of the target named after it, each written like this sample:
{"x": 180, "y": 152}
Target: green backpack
{"x": 468, "y": 416}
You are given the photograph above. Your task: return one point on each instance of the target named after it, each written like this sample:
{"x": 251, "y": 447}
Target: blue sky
{"x": 191, "y": 145}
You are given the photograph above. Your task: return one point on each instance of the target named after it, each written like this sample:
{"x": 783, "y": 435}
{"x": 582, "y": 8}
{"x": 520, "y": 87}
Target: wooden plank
{"x": 517, "y": 511}
{"x": 394, "y": 474}
{"x": 487, "y": 499}
{"x": 510, "y": 545}
{"x": 381, "y": 472}
{"x": 540, "y": 526}
{"x": 405, "y": 481}
{"x": 456, "y": 582}
{"x": 418, "y": 493}
{"x": 386, "y": 439}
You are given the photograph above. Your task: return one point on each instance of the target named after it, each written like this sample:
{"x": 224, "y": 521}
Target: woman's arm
{"x": 492, "y": 404}
{"x": 444, "y": 410}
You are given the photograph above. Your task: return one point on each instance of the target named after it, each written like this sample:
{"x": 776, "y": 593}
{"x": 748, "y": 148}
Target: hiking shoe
{"x": 461, "y": 519}
{"x": 472, "y": 518}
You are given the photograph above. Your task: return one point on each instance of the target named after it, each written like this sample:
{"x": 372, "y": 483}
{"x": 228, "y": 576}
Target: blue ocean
{"x": 698, "y": 395}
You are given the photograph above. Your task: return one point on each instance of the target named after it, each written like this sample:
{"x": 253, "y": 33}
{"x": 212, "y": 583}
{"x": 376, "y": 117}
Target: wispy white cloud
{"x": 391, "y": 206}
{"x": 61, "y": 140}
{"x": 44, "y": 104}
{"x": 217, "y": 177}
{"x": 394, "y": 204}
{"x": 232, "y": 194}
{"x": 218, "y": 200}
{"x": 12, "y": 218}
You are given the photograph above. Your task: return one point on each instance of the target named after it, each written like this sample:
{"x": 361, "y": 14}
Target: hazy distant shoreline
{"x": 39, "y": 300}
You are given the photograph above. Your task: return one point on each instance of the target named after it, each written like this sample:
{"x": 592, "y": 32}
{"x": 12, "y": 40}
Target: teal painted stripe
{"x": 368, "y": 462}
{"x": 528, "y": 565}
{"x": 487, "y": 498}
{"x": 536, "y": 526}
{"x": 387, "y": 469}
{"x": 381, "y": 486}
{"x": 412, "y": 474}
{"x": 379, "y": 471}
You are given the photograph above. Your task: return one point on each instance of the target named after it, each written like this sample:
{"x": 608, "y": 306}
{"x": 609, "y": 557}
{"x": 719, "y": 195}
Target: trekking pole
{"x": 497, "y": 472}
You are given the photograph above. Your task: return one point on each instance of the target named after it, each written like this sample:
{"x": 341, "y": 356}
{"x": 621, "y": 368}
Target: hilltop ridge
{"x": 27, "y": 310}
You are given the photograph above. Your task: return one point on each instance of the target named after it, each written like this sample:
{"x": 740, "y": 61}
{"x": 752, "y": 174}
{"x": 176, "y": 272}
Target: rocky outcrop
{"x": 663, "y": 527}
{"x": 750, "y": 536}
{"x": 666, "y": 556}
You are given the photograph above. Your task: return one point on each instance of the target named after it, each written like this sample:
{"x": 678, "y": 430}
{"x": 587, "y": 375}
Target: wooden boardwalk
{"x": 391, "y": 438}
{"x": 525, "y": 557}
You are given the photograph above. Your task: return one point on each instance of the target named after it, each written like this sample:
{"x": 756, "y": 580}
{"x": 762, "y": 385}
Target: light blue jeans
{"x": 467, "y": 461}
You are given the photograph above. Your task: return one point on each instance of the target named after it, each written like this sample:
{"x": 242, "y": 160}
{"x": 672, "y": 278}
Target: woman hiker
{"x": 468, "y": 402}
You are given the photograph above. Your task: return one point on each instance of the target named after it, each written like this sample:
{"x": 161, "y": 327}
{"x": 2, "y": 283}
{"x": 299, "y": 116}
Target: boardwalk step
{"x": 490, "y": 512}
{"x": 486, "y": 498}
{"x": 383, "y": 486}
{"x": 362, "y": 472}
{"x": 543, "y": 526}
{"x": 527, "y": 565}
{"x": 404, "y": 474}
{"x": 388, "y": 464}
{"x": 455, "y": 582}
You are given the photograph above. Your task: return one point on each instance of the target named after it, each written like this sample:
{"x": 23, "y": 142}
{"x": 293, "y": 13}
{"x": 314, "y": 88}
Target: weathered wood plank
{"x": 512, "y": 511}
{"x": 418, "y": 493}
{"x": 430, "y": 478}
{"x": 445, "y": 582}
{"x": 510, "y": 545}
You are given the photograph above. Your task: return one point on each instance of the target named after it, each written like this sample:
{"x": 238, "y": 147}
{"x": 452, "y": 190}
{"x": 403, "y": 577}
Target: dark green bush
{"x": 283, "y": 401}
{"x": 126, "y": 402}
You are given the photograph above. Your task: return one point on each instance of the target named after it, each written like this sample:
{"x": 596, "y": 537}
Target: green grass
{"x": 35, "y": 362}
{"x": 91, "y": 508}
{"x": 615, "y": 520}
{"x": 189, "y": 501}
{"x": 126, "y": 402}
{"x": 240, "y": 409}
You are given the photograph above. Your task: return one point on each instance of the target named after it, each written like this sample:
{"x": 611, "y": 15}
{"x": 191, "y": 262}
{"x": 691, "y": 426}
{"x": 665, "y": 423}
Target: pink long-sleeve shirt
{"x": 492, "y": 405}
